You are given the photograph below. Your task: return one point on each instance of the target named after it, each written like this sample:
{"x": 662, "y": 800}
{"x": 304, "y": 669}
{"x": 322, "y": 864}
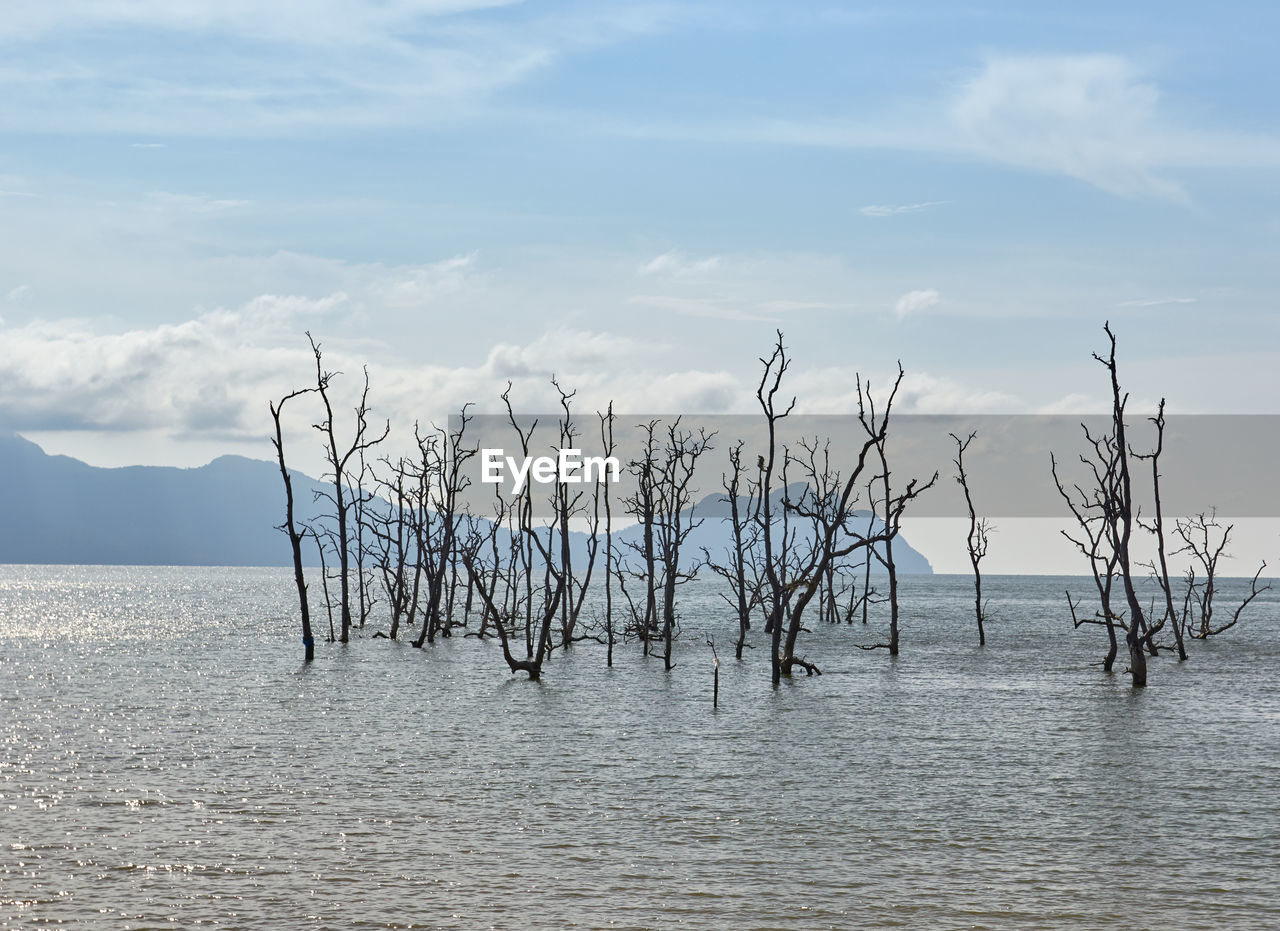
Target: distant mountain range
{"x": 59, "y": 510}
{"x": 55, "y": 509}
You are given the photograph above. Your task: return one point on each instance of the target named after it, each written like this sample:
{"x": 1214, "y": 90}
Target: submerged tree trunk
{"x": 1137, "y": 626}
{"x": 338, "y": 461}
{"x": 290, "y": 528}
{"x": 1171, "y": 614}
{"x": 893, "y": 596}
{"x": 977, "y": 538}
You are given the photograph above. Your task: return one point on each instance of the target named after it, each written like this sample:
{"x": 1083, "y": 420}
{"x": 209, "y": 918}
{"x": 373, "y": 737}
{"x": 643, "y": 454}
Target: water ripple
{"x": 166, "y": 760}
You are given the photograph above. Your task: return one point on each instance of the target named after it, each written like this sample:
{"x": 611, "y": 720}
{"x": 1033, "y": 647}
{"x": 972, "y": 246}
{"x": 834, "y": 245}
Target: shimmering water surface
{"x": 169, "y": 762}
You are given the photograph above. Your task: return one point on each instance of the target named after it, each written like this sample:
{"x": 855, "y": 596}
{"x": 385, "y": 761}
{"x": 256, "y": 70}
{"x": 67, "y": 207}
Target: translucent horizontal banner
{"x": 1225, "y": 462}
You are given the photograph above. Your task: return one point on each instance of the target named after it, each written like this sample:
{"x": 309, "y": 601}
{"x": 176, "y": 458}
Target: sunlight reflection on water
{"x": 167, "y": 759}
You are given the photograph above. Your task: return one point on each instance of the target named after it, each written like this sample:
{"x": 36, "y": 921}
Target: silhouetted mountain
{"x": 55, "y": 509}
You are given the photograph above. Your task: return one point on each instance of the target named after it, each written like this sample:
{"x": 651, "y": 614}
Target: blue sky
{"x": 630, "y": 195}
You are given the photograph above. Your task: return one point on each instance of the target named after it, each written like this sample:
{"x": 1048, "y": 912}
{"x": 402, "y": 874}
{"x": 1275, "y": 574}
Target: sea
{"x": 168, "y": 761}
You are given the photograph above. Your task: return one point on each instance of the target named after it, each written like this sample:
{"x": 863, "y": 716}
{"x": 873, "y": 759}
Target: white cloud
{"x": 1092, "y": 117}
{"x": 784, "y": 305}
{"x": 421, "y": 285}
{"x": 560, "y": 350}
{"x": 763, "y": 287}
{"x": 916, "y": 301}
{"x": 200, "y": 374}
{"x": 298, "y": 63}
{"x": 693, "y": 392}
{"x": 1073, "y": 403}
{"x": 320, "y": 21}
{"x": 719, "y": 307}
{"x": 1097, "y": 118}
{"x": 678, "y": 264}
{"x": 192, "y": 203}
{"x": 922, "y": 393}
{"x": 879, "y": 210}
{"x": 1157, "y": 302}
{"x": 834, "y": 391}
{"x": 210, "y": 377}
{"x": 19, "y": 294}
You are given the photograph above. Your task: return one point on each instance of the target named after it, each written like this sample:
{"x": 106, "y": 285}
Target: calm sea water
{"x": 169, "y": 762}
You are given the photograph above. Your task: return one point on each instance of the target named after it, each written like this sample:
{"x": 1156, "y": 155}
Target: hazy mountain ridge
{"x": 55, "y": 509}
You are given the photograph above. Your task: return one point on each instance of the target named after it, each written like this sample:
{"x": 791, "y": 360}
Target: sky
{"x": 632, "y": 196}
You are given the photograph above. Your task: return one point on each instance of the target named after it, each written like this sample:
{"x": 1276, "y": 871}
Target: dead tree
{"x": 1160, "y": 569}
{"x": 322, "y": 546}
{"x": 567, "y": 508}
{"x": 552, "y": 590}
{"x": 675, "y": 519}
{"x": 1107, "y": 515}
{"x": 1205, "y": 540}
{"x": 827, "y": 530}
{"x": 290, "y": 527}
{"x": 838, "y": 596}
{"x": 775, "y": 367}
{"x": 491, "y": 566}
{"x": 642, "y": 505}
{"x": 608, "y": 446}
{"x": 1095, "y": 513}
{"x": 794, "y": 566}
{"x": 519, "y": 516}
{"x": 339, "y": 459}
{"x": 740, "y": 569}
{"x": 420, "y": 481}
{"x": 470, "y": 545}
{"x": 1137, "y": 633}
{"x": 838, "y": 584}
{"x": 392, "y": 529}
{"x": 876, "y": 426}
{"x": 515, "y": 571}
{"x": 977, "y": 539}
{"x": 364, "y": 518}
{"x": 474, "y": 553}
{"x": 868, "y": 595}
{"x": 444, "y": 455}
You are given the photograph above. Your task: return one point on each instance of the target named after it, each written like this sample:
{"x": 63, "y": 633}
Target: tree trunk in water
{"x": 866, "y": 588}
{"x": 775, "y": 646}
{"x": 668, "y": 616}
{"x": 977, "y": 605}
{"x": 893, "y": 597}
{"x": 1137, "y": 658}
{"x": 295, "y": 538}
{"x": 344, "y": 562}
